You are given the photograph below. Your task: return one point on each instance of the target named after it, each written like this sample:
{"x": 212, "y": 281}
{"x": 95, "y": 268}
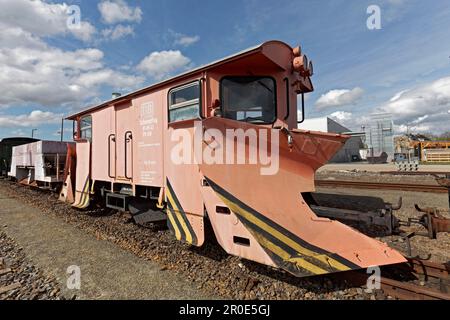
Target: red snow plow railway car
{"x": 220, "y": 144}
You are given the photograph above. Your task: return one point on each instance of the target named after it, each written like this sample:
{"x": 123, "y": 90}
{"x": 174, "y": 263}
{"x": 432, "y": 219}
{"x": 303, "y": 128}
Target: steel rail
{"x": 383, "y": 186}
{"x": 410, "y": 291}
{"x": 404, "y": 290}
{"x": 414, "y": 173}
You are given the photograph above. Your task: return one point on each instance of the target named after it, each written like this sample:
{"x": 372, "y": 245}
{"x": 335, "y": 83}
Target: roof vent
{"x": 116, "y": 95}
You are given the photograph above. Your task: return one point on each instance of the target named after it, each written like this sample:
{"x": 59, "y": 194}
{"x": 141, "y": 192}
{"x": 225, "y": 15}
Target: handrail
{"x": 288, "y": 98}
{"x": 109, "y": 154}
{"x": 126, "y": 152}
{"x": 303, "y": 109}
{"x": 202, "y": 104}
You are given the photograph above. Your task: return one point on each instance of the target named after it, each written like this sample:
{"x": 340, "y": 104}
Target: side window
{"x": 86, "y": 128}
{"x": 184, "y": 102}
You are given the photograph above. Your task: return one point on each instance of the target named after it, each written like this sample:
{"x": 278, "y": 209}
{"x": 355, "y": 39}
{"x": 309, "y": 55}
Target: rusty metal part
{"x": 399, "y": 204}
{"x": 407, "y": 238}
{"x": 383, "y": 218}
{"x": 385, "y": 186}
{"x": 430, "y": 269}
{"x": 444, "y": 182}
{"x": 433, "y": 221}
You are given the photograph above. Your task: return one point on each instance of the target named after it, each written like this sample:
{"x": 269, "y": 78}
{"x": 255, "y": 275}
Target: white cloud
{"x": 423, "y": 109}
{"x": 117, "y": 32}
{"x": 18, "y": 133}
{"x": 397, "y": 95}
{"x": 44, "y": 76}
{"x": 403, "y": 128}
{"x": 420, "y": 119}
{"x": 411, "y": 104}
{"x": 35, "y": 118}
{"x": 31, "y": 71}
{"x": 337, "y": 98}
{"x": 341, "y": 115}
{"x": 162, "y": 64}
{"x": 84, "y": 32}
{"x": 182, "y": 39}
{"x": 109, "y": 76}
{"x": 186, "y": 41}
{"x": 396, "y": 2}
{"x": 11, "y": 36}
{"x": 42, "y": 19}
{"x": 115, "y": 11}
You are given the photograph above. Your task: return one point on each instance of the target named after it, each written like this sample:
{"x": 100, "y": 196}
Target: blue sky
{"x": 48, "y": 70}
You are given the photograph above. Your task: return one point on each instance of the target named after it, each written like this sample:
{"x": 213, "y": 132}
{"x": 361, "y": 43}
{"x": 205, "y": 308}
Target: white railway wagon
{"x": 39, "y": 163}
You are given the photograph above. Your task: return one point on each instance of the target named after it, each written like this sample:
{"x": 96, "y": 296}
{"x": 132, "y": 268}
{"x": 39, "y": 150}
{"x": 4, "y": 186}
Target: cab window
{"x": 249, "y": 99}
{"x": 86, "y": 128}
{"x": 184, "y": 102}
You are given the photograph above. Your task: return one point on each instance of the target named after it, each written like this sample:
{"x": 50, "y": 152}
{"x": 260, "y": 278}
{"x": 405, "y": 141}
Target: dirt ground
{"x": 207, "y": 269}
{"x": 107, "y": 271}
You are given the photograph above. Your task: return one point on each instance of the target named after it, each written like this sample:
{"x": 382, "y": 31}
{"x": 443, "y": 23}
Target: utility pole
{"x": 32, "y": 132}
{"x": 62, "y": 129}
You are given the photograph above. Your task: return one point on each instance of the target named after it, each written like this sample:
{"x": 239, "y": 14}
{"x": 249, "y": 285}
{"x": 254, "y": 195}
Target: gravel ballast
{"x": 20, "y": 278}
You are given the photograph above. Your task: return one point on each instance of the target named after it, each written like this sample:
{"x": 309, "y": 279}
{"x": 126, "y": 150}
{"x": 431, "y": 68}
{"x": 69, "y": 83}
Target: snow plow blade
{"x": 272, "y": 209}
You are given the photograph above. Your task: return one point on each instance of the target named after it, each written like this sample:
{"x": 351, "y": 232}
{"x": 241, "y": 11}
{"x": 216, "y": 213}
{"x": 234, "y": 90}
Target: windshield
{"x": 249, "y": 99}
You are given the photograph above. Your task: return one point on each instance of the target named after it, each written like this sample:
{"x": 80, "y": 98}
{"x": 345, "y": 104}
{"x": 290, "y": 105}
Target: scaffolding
{"x": 380, "y": 135}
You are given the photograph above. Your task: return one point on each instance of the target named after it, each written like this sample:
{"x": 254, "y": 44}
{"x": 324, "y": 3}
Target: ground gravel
{"x": 20, "y": 279}
{"x": 208, "y": 267}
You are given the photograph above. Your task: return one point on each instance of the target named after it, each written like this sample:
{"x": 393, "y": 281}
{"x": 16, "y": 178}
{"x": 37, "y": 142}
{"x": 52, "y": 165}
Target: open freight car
{"x": 220, "y": 145}
{"x": 39, "y": 164}
{"x": 6, "y": 146}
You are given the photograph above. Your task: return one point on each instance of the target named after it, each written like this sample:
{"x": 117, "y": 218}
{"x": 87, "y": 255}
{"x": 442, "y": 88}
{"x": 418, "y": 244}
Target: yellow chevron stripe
{"x": 84, "y": 201}
{"x": 179, "y": 217}
{"x": 92, "y": 187}
{"x": 78, "y": 204}
{"x": 174, "y": 225}
{"x": 286, "y": 240}
{"x": 300, "y": 262}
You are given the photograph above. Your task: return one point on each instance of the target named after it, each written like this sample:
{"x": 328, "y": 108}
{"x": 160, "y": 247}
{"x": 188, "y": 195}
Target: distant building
{"x": 350, "y": 151}
{"x": 380, "y": 135}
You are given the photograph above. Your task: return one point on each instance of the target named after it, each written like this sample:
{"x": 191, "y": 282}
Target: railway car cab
{"x": 219, "y": 145}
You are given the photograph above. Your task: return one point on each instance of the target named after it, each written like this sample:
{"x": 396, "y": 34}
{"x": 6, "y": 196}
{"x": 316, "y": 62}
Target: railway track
{"x": 407, "y": 291}
{"x": 430, "y": 269}
{"x": 379, "y": 185}
{"x": 415, "y": 173}
{"x": 426, "y": 271}
{"x": 422, "y": 280}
